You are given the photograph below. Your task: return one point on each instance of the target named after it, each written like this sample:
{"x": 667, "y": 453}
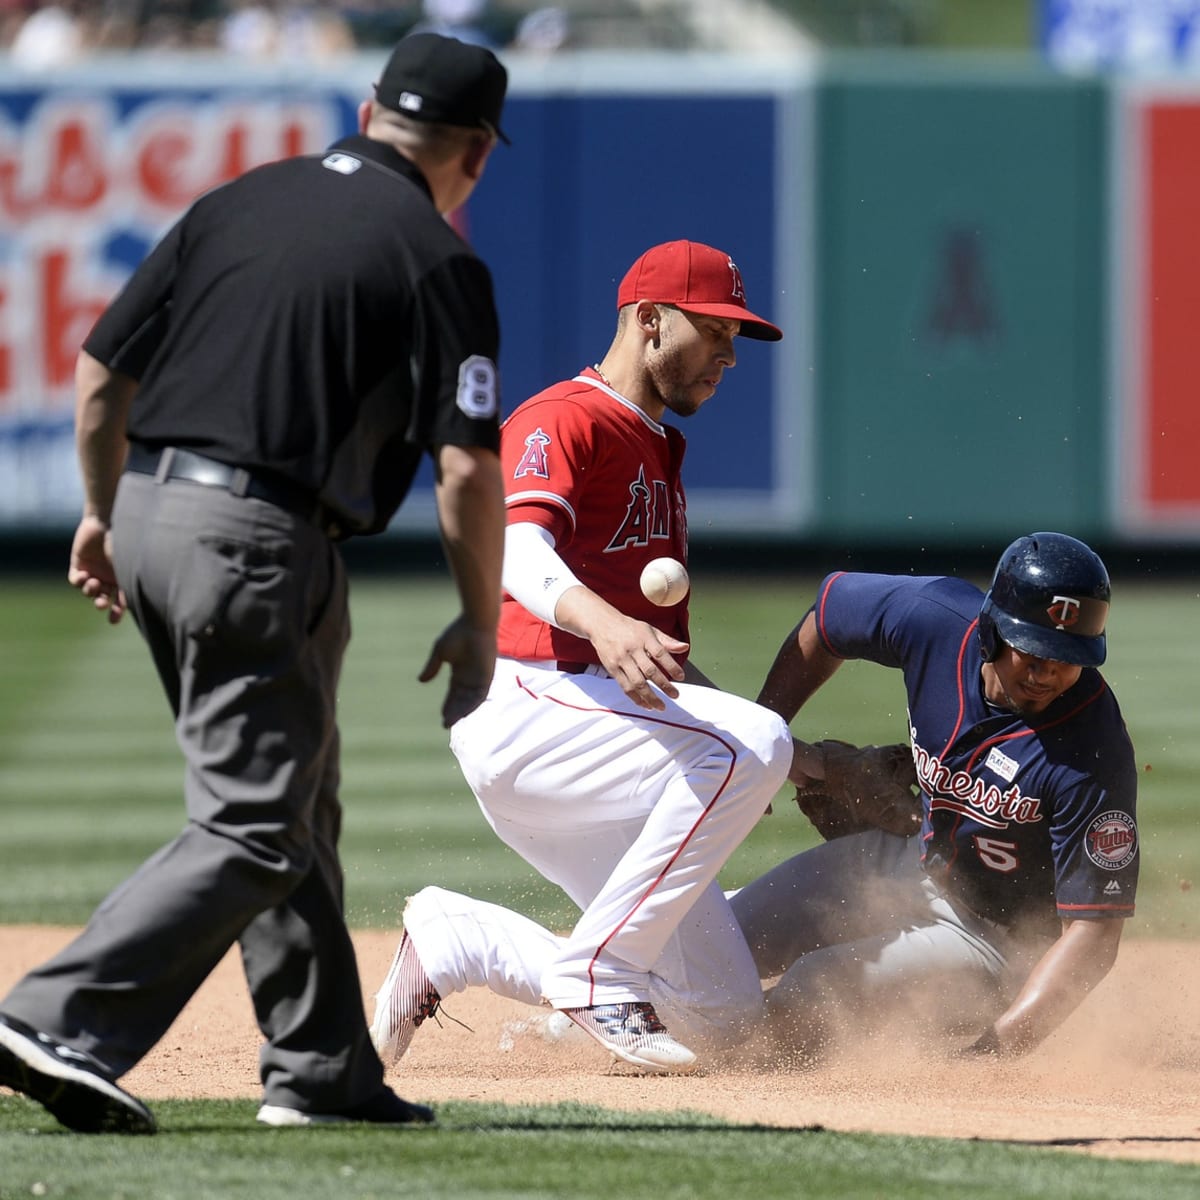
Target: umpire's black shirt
{"x": 315, "y": 320}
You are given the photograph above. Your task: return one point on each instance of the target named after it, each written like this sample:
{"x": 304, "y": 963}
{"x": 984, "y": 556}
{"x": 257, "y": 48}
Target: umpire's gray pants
{"x": 244, "y": 609}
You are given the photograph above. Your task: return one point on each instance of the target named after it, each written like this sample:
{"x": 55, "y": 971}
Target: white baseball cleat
{"x": 633, "y": 1032}
{"x": 384, "y": 1108}
{"x": 402, "y": 1004}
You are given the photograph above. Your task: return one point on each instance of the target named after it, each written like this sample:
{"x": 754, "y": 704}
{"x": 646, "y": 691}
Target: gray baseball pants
{"x": 244, "y": 608}
{"x": 858, "y": 934}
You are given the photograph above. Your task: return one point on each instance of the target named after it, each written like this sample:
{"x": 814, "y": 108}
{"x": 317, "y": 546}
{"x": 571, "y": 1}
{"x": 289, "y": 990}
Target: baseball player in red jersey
{"x": 602, "y": 755}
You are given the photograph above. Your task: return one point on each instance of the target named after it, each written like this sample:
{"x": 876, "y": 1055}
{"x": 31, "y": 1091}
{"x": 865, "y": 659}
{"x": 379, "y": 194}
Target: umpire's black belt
{"x": 172, "y": 462}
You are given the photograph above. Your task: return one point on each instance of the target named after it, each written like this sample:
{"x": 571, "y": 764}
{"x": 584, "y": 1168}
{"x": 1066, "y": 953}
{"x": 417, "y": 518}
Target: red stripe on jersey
{"x": 821, "y": 613}
{"x": 962, "y": 700}
{"x": 1032, "y": 729}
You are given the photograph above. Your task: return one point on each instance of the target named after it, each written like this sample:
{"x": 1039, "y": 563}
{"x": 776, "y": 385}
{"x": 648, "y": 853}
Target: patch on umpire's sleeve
{"x": 343, "y": 164}
{"x": 477, "y": 388}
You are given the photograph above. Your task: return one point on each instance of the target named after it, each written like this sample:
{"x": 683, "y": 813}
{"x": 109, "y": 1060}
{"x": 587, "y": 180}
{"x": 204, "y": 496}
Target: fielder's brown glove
{"x": 865, "y": 787}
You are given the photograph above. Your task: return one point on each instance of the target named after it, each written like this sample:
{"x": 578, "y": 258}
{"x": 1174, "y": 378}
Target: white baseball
{"x": 665, "y": 581}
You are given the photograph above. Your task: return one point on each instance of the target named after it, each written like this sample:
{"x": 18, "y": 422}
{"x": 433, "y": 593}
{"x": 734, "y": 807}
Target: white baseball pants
{"x": 632, "y": 813}
{"x": 712, "y": 1000}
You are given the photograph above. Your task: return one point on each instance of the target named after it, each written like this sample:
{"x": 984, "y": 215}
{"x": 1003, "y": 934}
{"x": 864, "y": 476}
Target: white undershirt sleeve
{"x": 534, "y": 574}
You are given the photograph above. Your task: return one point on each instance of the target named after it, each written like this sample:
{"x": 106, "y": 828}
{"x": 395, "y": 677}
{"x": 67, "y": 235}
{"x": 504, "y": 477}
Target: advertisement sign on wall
{"x": 1154, "y": 315}
{"x": 1120, "y": 34}
{"x": 607, "y": 159}
{"x": 90, "y": 176}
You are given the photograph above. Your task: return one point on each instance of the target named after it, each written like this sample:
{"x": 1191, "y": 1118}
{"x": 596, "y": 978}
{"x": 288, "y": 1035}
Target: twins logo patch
{"x": 1111, "y": 841}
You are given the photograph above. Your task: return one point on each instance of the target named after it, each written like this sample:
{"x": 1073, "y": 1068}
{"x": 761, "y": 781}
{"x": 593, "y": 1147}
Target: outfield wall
{"x": 983, "y": 270}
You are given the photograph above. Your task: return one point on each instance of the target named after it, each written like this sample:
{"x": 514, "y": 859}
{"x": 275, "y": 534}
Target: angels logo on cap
{"x": 739, "y": 288}
{"x": 697, "y": 279}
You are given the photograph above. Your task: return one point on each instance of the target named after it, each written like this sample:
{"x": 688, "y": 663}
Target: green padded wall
{"x": 960, "y": 304}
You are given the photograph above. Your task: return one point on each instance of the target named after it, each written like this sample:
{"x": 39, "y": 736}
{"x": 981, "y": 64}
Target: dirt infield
{"x": 1122, "y": 1078}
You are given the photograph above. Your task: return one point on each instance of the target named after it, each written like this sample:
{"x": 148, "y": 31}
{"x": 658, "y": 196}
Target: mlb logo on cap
{"x": 435, "y": 78}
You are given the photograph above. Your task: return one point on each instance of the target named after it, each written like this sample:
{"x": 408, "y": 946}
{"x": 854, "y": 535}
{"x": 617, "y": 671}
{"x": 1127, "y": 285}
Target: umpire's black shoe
{"x": 384, "y": 1108}
{"x": 71, "y": 1085}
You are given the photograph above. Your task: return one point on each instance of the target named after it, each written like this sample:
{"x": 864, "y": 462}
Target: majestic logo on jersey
{"x": 647, "y": 516}
{"x": 960, "y": 792}
{"x": 533, "y": 461}
{"x": 739, "y": 290}
{"x": 1063, "y": 611}
{"x": 1111, "y": 841}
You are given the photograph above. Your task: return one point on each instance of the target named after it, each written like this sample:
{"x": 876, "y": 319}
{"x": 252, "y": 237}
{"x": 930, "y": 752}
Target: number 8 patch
{"x": 477, "y": 387}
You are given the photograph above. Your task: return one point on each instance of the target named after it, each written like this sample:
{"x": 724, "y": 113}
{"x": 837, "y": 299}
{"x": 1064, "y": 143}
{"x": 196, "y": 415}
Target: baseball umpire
{"x": 265, "y": 385}
{"x": 1007, "y": 909}
{"x": 602, "y": 755}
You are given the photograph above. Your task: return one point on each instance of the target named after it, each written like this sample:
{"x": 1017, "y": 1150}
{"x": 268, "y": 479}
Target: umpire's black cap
{"x": 435, "y": 78}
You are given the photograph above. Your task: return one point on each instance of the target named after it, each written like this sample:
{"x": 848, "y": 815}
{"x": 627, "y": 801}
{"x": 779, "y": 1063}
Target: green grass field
{"x": 90, "y": 781}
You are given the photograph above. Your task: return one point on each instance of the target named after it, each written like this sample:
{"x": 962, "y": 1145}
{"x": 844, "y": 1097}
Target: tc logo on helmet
{"x": 1063, "y": 611}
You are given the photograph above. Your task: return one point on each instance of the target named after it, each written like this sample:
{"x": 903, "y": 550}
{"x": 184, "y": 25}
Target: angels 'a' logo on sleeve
{"x": 533, "y": 461}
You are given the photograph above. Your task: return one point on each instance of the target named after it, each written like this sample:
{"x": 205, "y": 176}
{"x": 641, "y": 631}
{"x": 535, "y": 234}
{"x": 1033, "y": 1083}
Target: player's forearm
{"x": 1066, "y": 973}
{"x": 586, "y": 613}
{"x": 102, "y": 401}
{"x": 800, "y": 668}
{"x": 470, "y": 500}
{"x": 534, "y": 573}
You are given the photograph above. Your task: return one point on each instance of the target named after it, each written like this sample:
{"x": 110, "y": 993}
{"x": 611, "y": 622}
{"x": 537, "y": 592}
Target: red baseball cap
{"x": 697, "y": 279}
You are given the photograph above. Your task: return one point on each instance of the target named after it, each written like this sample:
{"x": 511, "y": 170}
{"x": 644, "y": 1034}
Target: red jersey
{"x": 604, "y": 478}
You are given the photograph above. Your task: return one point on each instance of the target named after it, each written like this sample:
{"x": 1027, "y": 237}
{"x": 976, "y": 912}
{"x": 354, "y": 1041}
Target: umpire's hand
{"x": 91, "y": 568}
{"x": 471, "y": 654}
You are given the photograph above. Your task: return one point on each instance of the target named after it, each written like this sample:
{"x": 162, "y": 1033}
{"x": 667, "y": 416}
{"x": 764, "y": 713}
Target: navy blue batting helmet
{"x": 1049, "y": 597}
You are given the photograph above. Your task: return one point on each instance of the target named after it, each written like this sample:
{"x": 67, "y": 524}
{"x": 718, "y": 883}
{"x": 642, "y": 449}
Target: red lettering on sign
{"x": 5, "y": 359}
{"x": 75, "y": 179}
{"x": 66, "y": 319}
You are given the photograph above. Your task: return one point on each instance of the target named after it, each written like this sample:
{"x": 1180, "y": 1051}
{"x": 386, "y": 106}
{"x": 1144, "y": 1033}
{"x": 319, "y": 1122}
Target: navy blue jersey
{"x": 1026, "y": 820}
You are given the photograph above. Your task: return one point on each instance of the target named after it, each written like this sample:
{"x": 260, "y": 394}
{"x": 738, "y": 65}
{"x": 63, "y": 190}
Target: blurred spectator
{"x": 250, "y": 30}
{"x": 285, "y": 29}
{"x": 41, "y": 34}
{"x": 50, "y": 36}
{"x": 12, "y": 17}
{"x": 462, "y": 19}
{"x": 543, "y": 31}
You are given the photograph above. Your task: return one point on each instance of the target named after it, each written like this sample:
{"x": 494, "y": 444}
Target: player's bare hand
{"x": 641, "y": 659}
{"x": 471, "y": 655}
{"x": 91, "y": 568}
